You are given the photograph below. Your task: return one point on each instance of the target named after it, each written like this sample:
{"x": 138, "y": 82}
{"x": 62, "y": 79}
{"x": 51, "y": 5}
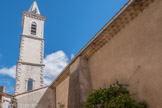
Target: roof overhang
{"x": 5, "y": 94}
{"x": 131, "y": 10}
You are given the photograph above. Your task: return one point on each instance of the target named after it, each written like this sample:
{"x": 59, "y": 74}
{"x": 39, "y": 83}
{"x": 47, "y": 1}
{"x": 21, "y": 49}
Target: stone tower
{"x": 30, "y": 67}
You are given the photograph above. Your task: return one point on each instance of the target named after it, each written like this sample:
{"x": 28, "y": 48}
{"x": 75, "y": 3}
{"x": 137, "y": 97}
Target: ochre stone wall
{"x": 79, "y": 84}
{"x": 62, "y": 93}
{"x": 134, "y": 56}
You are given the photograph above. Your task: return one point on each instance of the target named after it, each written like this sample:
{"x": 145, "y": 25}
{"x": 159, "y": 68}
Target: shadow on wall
{"x": 47, "y": 100}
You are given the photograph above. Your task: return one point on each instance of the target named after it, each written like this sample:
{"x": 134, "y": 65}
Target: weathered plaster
{"x": 133, "y": 56}
{"x": 80, "y": 83}
{"x": 42, "y": 98}
{"x": 62, "y": 91}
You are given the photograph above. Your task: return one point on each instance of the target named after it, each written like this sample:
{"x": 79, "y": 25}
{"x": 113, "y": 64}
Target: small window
{"x": 30, "y": 85}
{"x": 33, "y": 28}
{"x": 35, "y": 11}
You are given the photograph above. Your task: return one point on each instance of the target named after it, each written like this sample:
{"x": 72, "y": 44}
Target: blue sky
{"x": 70, "y": 24}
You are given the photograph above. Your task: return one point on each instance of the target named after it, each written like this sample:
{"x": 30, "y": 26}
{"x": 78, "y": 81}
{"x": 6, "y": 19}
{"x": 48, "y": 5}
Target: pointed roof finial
{"x": 34, "y": 8}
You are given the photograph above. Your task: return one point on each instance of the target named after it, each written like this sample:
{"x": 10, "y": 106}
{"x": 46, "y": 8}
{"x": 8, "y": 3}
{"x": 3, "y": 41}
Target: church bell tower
{"x": 30, "y": 67}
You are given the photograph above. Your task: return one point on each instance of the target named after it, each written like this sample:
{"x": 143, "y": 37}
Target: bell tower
{"x": 30, "y": 67}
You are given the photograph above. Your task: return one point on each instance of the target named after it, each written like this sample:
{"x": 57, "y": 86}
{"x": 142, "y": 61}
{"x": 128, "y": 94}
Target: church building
{"x": 127, "y": 49}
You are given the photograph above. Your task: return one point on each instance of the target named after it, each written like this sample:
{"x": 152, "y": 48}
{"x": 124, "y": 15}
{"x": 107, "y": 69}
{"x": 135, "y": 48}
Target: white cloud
{"x": 72, "y": 56}
{"x": 54, "y": 64}
{"x": 8, "y": 71}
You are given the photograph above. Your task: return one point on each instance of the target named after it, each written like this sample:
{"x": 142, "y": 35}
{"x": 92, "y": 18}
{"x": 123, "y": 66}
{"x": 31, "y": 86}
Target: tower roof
{"x": 34, "y": 8}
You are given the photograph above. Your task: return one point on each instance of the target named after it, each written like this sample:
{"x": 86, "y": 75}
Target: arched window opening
{"x": 30, "y": 85}
{"x": 33, "y": 28}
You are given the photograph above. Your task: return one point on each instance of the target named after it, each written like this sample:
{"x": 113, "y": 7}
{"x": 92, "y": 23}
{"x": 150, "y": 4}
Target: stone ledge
{"x": 129, "y": 12}
{"x": 30, "y": 91}
{"x": 34, "y": 64}
{"x": 29, "y": 36}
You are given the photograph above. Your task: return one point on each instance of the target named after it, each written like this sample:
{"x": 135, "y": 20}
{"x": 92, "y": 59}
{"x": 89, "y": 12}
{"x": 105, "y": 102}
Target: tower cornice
{"x": 36, "y": 16}
{"x": 32, "y": 15}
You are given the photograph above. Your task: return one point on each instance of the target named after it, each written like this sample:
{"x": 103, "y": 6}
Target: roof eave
{"x": 85, "y": 49}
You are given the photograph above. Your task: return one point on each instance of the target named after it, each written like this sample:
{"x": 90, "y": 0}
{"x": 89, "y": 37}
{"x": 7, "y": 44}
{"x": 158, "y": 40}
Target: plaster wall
{"x": 7, "y": 102}
{"x": 31, "y": 50}
{"x": 134, "y": 56}
{"x": 62, "y": 93}
{"x": 79, "y": 84}
{"x": 43, "y": 98}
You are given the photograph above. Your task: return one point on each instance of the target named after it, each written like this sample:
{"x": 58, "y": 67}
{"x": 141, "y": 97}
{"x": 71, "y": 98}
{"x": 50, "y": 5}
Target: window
{"x": 33, "y": 28}
{"x": 9, "y": 105}
{"x": 30, "y": 85}
{"x": 35, "y": 11}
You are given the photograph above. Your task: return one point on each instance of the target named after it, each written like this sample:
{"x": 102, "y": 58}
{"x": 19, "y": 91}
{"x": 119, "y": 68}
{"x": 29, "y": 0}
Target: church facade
{"x": 127, "y": 49}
